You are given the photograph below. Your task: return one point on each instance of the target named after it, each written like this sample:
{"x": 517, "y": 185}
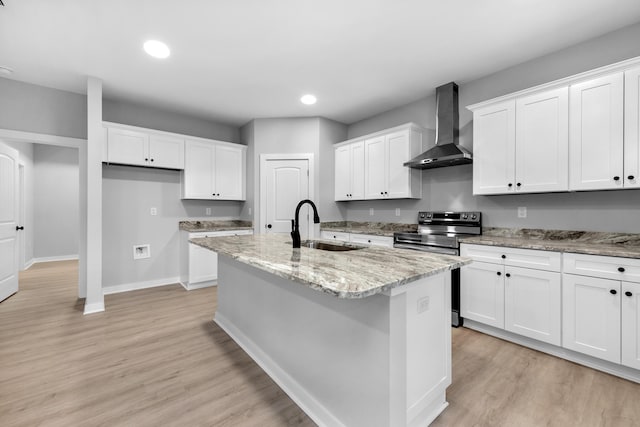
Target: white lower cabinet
{"x": 505, "y": 295}
{"x": 201, "y": 265}
{"x": 601, "y": 297}
{"x": 360, "y": 239}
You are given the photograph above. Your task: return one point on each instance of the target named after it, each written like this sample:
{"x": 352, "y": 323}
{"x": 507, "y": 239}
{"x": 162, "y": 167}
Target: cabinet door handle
{"x": 616, "y": 178}
{"x": 499, "y": 274}
{"x": 628, "y": 293}
{"x": 503, "y": 256}
{"x": 382, "y": 192}
{"x": 152, "y": 160}
{"x": 518, "y": 184}
{"x": 386, "y": 193}
{"x": 368, "y": 241}
{"x": 508, "y": 275}
{"x": 269, "y": 225}
{"x": 631, "y": 177}
{"x": 621, "y": 269}
{"x": 510, "y": 185}
{"x": 613, "y": 292}
{"x": 146, "y": 159}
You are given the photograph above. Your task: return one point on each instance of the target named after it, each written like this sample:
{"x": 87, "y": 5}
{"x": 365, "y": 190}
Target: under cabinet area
{"x": 214, "y": 170}
{"x": 372, "y": 167}
{"x": 199, "y": 266}
{"x": 601, "y": 296}
{"x": 138, "y": 147}
{"x": 361, "y": 239}
{"x": 518, "y": 290}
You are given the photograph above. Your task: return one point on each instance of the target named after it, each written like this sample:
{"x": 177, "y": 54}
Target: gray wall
{"x": 30, "y": 108}
{"x": 451, "y": 188}
{"x": 169, "y": 121}
{"x": 128, "y": 194}
{"x": 57, "y": 208}
{"x": 330, "y": 133}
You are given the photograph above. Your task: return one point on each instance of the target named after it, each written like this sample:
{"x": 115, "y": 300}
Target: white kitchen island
{"x": 357, "y": 338}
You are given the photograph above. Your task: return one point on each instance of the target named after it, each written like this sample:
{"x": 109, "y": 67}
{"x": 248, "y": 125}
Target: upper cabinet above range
{"x": 372, "y": 166}
{"x": 574, "y": 134}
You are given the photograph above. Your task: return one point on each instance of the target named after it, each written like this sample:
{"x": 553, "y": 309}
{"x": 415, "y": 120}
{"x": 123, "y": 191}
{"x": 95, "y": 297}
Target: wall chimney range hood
{"x": 446, "y": 152}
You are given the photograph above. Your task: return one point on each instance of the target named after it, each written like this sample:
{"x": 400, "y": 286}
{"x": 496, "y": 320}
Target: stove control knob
{"x": 428, "y": 215}
{"x": 421, "y": 215}
{"x": 474, "y": 216}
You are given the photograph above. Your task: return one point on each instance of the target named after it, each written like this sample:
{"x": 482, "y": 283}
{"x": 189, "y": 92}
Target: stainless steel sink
{"x": 323, "y": 246}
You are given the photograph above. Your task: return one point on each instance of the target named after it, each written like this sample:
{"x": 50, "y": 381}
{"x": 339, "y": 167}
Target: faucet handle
{"x": 293, "y": 226}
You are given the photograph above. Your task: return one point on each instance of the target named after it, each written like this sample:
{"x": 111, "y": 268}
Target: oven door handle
{"x": 423, "y": 248}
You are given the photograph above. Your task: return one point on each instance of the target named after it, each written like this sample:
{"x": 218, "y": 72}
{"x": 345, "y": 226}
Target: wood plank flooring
{"x": 156, "y": 358}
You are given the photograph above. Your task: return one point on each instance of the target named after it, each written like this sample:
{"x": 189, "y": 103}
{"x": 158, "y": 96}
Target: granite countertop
{"x": 623, "y": 245}
{"x": 373, "y": 228}
{"x": 214, "y": 225}
{"x": 350, "y": 274}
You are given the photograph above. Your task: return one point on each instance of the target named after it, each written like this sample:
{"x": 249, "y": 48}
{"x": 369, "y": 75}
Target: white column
{"x": 95, "y": 298}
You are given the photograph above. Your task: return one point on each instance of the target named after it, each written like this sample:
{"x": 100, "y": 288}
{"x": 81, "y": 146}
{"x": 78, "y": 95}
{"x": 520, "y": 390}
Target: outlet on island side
{"x": 522, "y": 212}
{"x": 397, "y": 211}
{"x": 370, "y": 211}
{"x": 207, "y": 211}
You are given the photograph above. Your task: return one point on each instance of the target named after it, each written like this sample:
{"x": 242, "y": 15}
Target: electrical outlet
{"x": 370, "y": 211}
{"x": 141, "y": 251}
{"x": 154, "y": 211}
{"x": 522, "y": 212}
{"x": 423, "y": 304}
{"x": 208, "y": 211}
{"x": 397, "y": 211}
{"x": 249, "y": 211}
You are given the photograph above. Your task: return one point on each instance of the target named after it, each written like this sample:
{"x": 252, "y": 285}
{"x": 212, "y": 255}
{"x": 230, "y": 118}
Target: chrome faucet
{"x": 295, "y": 229}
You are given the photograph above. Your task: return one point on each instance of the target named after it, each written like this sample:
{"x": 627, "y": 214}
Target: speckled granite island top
{"x": 349, "y": 274}
{"x": 625, "y": 245}
{"x": 214, "y": 225}
{"x": 373, "y": 228}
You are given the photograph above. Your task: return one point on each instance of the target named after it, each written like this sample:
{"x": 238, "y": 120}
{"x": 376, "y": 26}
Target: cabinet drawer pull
{"x": 368, "y": 241}
{"x": 613, "y": 292}
{"x": 503, "y": 256}
{"x": 628, "y": 293}
{"x": 621, "y": 269}
{"x": 499, "y": 274}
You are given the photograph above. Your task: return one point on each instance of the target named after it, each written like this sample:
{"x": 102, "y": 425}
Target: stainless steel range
{"x": 440, "y": 232}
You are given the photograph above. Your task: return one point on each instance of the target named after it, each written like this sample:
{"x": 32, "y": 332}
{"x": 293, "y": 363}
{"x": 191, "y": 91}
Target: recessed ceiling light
{"x": 5, "y": 70}
{"x": 157, "y": 49}
{"x": 308, "y": 99}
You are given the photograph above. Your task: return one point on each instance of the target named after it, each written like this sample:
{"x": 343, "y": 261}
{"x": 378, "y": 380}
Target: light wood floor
{"x": 155, "y": 358}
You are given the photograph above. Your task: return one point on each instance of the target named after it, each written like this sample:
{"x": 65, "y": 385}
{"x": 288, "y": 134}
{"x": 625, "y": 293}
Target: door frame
{"x": 264, "y": 158}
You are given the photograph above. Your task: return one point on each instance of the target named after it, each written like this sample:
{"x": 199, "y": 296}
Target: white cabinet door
{"x": 357, "y": 171}
{"x": 398, "y": 151}
{"x": 542, "y": 142}
{"x": 591, "y": 316}
{"x": 632, "y": 128}
{"x": 631, "y": 324}
{"x": 596, "y": 134}
{"x": 127, "y": 147}
{"x": 203, "y": 264}
{"x": 494, "y": 140}
{"x": 482, "y": 293}
{"x": 532, "y": 304}
{"x": 375, "y": 168}
{"x": 229, "y": 173}
{"x": 166, "y": 152}
{"x": 343, "y": 172}
{"x": 198, "y": 170}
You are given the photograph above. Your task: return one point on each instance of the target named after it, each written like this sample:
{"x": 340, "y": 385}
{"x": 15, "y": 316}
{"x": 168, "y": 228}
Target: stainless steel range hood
{"x": 446, "y": 152}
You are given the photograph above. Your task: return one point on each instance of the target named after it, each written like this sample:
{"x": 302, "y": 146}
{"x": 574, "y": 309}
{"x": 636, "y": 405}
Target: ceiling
{"x": 235, "y": 60}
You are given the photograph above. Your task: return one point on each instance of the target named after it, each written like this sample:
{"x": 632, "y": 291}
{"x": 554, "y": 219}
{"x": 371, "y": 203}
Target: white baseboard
{"x": 28, "y": 264}
{"x": 126, "y": 287}
{"x": 96, "y": 307}
{"x": 54, "y": 258}
{"x": 199, "y": 285}
{"x": 563, "y": 353}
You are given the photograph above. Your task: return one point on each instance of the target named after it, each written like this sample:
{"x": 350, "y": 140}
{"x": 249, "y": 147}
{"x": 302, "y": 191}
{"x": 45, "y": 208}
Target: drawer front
{"x": 334, "y": 235}
{"x": 528, "y": 258}
{"x": 626, "y": 269}
{"x": 219, "y": 233}
{"x": 368, "y": 239}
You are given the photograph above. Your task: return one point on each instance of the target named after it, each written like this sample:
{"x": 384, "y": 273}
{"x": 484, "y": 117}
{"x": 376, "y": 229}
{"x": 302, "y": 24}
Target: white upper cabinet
{"x": 129, "y": 146}
{"x": 596, "y": 133}
{"x": 520, "y": 145}
{"x": 349, "y": 173}
{"x": 632, "y": 128}
{"x": 214, "y": 171}
{"x": 542, "y": 140}
{"x": 372, "y": 167}
{"x": 494, "y": 140}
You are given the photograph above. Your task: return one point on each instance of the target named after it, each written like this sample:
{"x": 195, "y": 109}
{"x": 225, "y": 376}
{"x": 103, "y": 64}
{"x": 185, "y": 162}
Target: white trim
{"x": 126, "y": 287}
{"x": 563, "y": 353}
{"x": 28, "y": 264}
{"x": 314, "y": 409}
{"x": 106, "y": 124}
{"x": 40, "y": 138}
{"x": 406, "y": 126}
{"x": 263, "y": 190}
{"x": 93, "y": 308}
{"x": 587, "y": 75}
{"x": 199, "y": 285}
{"x": 54, "y": 258}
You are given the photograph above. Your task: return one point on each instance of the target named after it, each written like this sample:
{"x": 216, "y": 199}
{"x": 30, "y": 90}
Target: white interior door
{"x": 286, "y": 184}
{"x": 8, "y": 221}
